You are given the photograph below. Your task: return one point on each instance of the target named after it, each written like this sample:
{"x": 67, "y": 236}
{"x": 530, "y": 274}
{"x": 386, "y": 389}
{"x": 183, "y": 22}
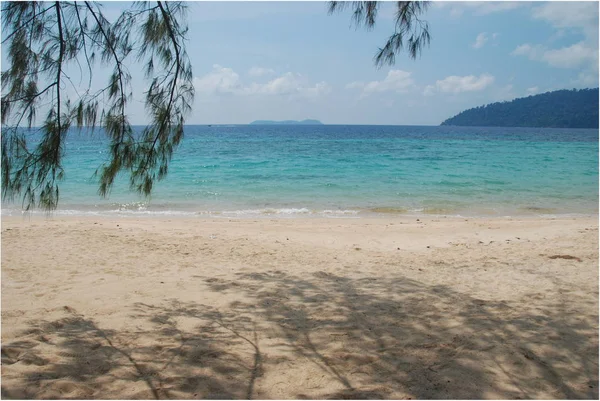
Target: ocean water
{"x": 349, "y": 171}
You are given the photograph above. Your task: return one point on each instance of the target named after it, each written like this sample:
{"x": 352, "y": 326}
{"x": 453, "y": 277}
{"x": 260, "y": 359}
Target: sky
{"x": 292, "y": 60}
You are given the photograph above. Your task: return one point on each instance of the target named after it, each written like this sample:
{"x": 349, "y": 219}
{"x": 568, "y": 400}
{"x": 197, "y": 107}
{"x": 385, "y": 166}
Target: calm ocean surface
{"x": 350, "y": 171}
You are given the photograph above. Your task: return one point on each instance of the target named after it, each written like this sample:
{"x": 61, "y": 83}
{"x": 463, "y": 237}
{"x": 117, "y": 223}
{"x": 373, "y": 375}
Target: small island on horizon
{"x": 558, "y": 109}
{"x": 286, "y": 122}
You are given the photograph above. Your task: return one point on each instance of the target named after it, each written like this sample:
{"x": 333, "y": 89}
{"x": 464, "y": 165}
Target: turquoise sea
{"x": 350, "y": 171}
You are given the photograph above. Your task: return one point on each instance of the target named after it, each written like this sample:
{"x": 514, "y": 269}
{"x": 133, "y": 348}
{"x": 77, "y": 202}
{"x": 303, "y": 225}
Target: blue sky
{"x": 291, "y": 60}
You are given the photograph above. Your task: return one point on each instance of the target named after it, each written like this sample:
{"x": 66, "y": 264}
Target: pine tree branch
{"x": 61, "y": 52}
{"x": 29, "y": 96}
{"x": 177, "y": 54}
{"x": 173, "y": 86}
{"x": 26, "y": 23}
{"x": 83, "y": 35}
{"x": 119, "y": 71}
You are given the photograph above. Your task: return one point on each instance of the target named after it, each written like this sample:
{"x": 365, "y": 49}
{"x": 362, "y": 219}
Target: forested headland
{"x": 558, "y": 109}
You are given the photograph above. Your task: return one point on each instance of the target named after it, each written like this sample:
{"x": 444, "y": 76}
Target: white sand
{"x": 299, "y": 308}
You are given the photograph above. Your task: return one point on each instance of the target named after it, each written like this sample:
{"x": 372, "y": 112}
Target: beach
{"x": 396, "y": 307}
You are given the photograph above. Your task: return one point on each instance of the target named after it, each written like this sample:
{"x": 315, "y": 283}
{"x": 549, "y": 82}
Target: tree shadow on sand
{"x": 368, "y": 338}
{"x": 160, "y": 362}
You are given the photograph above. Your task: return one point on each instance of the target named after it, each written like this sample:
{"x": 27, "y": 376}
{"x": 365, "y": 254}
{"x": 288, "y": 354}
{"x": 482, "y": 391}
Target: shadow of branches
{"x": 381, "y": 338}
{"x": 159, "y": 361}
{"x": 315, "y": 336}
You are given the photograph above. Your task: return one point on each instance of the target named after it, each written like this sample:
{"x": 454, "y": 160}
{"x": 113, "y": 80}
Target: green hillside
{"x": 558, "y": 109}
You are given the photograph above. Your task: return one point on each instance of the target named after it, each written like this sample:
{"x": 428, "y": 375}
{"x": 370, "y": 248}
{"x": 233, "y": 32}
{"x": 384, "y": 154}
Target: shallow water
{"x": 352, "y": 171}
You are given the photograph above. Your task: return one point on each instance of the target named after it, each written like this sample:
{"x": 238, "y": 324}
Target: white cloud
{"x": 522, "y": 50}
{"x": 289, "y": 84}
{"x": 395, "y": 81}
{"x": 586, "y": 79}
{"x": 355, "y": 85}
{"x": 260, "y": 71}
{"x": 533, "y": 52}
{"x": 574, "y": 56}
{"x": 583, "y": 15}
{"x": 224, "y": 80}
{"x": 456, "y": 84}
{"x": 574, "y": 17}
{"x": 219, "y": 80}
{"x": 480, "y": 40}
{"x": 533, "y": 90}
{"x": 286, "y": 84}
{"x": 484, "y": 38}
{"x": 321, "y": 88}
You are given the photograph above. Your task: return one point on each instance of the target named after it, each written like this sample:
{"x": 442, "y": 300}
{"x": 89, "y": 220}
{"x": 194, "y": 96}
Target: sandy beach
{"x": 382, "y": 308}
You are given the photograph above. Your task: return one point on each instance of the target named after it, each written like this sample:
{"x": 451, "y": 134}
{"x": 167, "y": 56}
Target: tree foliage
{"x": 558, "y": 109}
{"x": 44, "y": 40}
{"x": 411, "y": 33}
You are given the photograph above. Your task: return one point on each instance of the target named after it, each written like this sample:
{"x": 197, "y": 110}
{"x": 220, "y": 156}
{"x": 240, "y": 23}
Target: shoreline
{"x": 300, "y": 213}
{"x": 396, "y": 308}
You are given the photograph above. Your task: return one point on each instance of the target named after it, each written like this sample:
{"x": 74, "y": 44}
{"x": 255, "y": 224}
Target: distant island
{"x": 558, "y": 109}
{"x": 286, "y": 122}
